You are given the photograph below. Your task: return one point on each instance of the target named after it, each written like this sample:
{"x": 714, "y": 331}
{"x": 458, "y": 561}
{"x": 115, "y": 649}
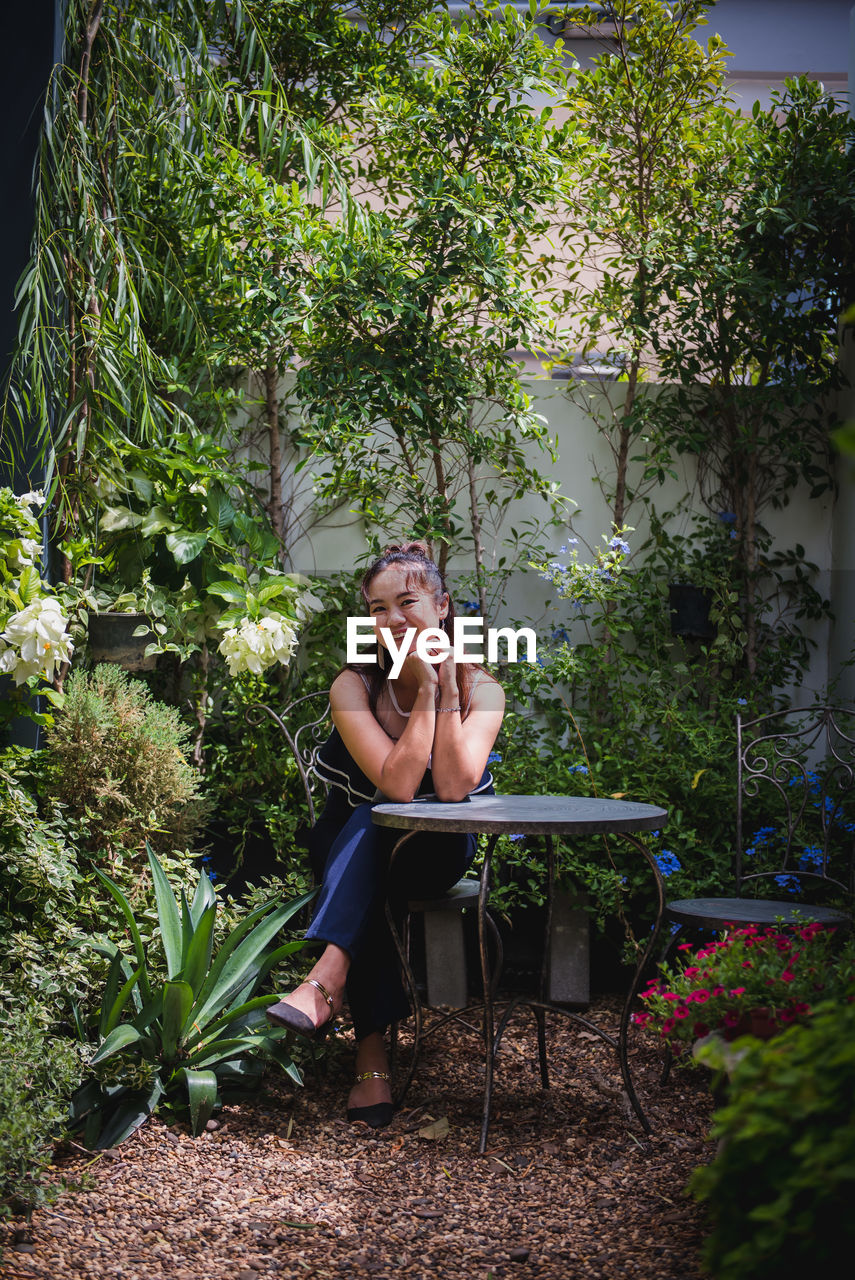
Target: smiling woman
{"x": 427, "y": 730}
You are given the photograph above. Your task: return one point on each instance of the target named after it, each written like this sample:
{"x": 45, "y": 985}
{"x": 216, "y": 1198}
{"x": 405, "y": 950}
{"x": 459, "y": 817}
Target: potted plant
{"x": 751, "y": 982}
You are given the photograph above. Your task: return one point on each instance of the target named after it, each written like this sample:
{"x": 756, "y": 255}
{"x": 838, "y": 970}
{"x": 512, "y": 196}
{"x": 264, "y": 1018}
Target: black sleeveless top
{"x": 348, "y": 788}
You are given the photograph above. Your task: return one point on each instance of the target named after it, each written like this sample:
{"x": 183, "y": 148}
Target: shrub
{"x": 782, "y": 972}
{"x": 119, "y": 765}
{"x": 39, "y": 1074}
{"x": 781, "y": 1188}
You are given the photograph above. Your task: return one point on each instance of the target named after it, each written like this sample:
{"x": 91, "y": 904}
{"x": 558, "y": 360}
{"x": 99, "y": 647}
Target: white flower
{"x": 306, "y": 604}
{"x": 35, "y": 498}
{"x": 36, "y": 641}
{"x": 20, "y": 557}
{"x": 255, "y": 645}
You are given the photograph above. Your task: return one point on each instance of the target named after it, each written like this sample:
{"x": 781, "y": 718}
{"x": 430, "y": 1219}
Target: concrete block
{"x": 445, "y": 956}
{"x": 569, "y": 949}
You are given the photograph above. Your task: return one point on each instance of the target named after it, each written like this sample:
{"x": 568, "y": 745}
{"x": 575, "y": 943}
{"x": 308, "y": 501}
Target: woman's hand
{"x": 449, "y": 695}
{"x": 423, "y": 673}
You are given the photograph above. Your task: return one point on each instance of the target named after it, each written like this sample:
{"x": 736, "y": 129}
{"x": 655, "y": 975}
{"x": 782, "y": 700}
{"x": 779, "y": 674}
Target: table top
{"x": 523, "y": 815}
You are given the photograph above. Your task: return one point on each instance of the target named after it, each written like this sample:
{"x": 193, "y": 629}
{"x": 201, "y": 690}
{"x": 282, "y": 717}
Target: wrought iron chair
{"x": 305, "y": 724}
{"x": 795, "y": 823}
{"x": 795, "y": 777}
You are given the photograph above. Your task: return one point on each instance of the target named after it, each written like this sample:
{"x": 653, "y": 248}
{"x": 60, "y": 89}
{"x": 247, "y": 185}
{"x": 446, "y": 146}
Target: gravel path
{"x": 570, "y": 1187}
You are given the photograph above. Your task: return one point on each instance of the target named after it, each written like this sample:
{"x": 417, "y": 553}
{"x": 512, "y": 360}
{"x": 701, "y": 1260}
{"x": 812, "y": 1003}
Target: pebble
{"x": 519, "y": 1254}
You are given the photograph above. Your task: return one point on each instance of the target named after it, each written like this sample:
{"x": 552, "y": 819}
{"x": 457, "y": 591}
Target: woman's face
{"x": 394, "y": 604}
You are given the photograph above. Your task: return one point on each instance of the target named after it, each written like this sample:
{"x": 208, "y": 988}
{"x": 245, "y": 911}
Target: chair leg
{"x": 540, "y": 1018}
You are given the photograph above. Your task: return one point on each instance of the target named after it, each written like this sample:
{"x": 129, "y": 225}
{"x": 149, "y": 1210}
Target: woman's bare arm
{"x": 461, "y": 747}
{"x": 397, "y": 768}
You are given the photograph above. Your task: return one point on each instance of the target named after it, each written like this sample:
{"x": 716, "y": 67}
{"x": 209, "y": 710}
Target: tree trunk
{"x": 276, "y": 506}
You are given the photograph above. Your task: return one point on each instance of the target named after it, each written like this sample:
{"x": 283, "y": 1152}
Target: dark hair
{"x": 424, "y": 573}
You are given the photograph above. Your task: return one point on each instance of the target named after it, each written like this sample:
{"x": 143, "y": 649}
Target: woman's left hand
{"x": 447, "y": 673}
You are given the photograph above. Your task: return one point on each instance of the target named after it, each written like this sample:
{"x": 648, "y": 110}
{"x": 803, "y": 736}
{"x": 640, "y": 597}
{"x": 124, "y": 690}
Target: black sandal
{"x": 379, "y": 1114}
{"x": 285, "y": 1015}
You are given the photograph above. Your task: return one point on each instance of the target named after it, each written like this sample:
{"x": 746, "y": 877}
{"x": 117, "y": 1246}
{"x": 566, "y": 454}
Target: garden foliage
{"x": 119, "y": 767}
{"x": 779, "y": 1192}
{"x": 193, "y": 1033}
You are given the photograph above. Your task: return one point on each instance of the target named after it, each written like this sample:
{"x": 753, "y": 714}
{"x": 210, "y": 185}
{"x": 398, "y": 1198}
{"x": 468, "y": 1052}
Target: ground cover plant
{"x": 191, "y": 1035}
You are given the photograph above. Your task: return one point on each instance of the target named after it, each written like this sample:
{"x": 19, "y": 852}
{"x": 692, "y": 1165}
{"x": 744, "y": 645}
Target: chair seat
{"x": 459, "y": 896}
{"x": 713, "y": 913}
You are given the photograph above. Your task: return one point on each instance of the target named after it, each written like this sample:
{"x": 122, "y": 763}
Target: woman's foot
{"x": 370, "y": 1099}
{"x": 309, "y": 1008}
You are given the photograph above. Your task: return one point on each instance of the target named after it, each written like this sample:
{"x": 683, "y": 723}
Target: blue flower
{"x": 472, "y": 606}
{"x": 561, "y": 634}
{"x": 727, "y": 517}
{"x": 749, "y": 853}
{"x": 516, "y": 837}
{"x": 577, "y": 768}
{"x": 618, "y": 544}
{"x": 212, "y": 876}
{"x": 742, "y": 702}
{"x": 812, "y": 857}
{"x": 494, "y": 758}
{"x": 790, "y": 883}
{"x": 668, "y": 862}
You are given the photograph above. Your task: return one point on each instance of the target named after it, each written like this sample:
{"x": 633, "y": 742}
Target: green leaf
{"x": 116, "y": 519}
{"x": 202, "y": 1095}
{"x": 133, "y": 1111}
{"x": 177, "y": 1003}
{"x": 120, "y": 1001}
{"x": 113, "y": 888}
{"x": 118, "y": 1039}
{"x": 168, "y": 916}
{"x": 198, "y": 955}
{"x": 111, "y": 991}
{"x": 156, "y": 521}
{"x": 204, "y": 896}
{"x": 228, "y": 974}
{"x": 186, "y": 546}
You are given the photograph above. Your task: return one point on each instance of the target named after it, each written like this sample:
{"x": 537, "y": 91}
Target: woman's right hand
{"x": 424, "y": 673}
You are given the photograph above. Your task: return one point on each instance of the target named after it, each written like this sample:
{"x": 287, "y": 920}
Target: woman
{"x": 427, "y": 732}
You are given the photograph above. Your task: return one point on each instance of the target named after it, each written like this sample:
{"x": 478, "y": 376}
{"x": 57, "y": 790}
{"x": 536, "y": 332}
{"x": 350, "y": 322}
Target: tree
{"x": 753, "y": 342}
{"x": 408, "y": 383}
{"x": 643, "y": 113}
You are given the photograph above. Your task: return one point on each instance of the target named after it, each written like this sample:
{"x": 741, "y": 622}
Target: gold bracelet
{"x": 448, "y": 708}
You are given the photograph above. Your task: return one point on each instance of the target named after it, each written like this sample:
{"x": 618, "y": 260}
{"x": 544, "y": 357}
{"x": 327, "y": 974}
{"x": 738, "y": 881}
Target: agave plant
{"x": 194, "y": 1032}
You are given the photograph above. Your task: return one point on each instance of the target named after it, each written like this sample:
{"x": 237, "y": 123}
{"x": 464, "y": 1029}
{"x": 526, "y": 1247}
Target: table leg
{"x": 488, "y": 982}
{"x": 634, "y": 985}
{"x": 409, "y": 977}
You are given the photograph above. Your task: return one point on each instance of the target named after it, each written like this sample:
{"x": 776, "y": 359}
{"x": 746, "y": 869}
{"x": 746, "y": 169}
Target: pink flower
{"x": 738, "y": 991}
{"x": 788, "y": 976}
{"x": 667, "y": 1026}
{"x": 699, "y": 997}
{"x": 700, "y": 1029}
{"x": 641, "y": 1019}
{"x": 690, "y": 973}
{"x": 670, "y": 995}
{"x": 718, "y": 991}
{"x": 681, "y": 1012}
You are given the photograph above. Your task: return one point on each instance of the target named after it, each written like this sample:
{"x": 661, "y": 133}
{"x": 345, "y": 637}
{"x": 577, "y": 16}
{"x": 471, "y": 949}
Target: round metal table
{"x": 547, "y": 816}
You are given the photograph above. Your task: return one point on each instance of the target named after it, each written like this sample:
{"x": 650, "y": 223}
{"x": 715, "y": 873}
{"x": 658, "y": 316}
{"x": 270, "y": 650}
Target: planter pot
{"x": 112, "y": 639}
{"x": 690, "y": 611}
{"x": 758, "y": 1022}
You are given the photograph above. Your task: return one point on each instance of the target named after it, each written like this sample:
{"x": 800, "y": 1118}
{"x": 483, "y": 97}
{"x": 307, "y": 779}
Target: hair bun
{"x": 417, "y": 550}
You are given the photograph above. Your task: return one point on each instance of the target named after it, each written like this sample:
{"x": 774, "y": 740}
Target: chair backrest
{"x": 305, "y": 725}
{"x": 795, "y": 822}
